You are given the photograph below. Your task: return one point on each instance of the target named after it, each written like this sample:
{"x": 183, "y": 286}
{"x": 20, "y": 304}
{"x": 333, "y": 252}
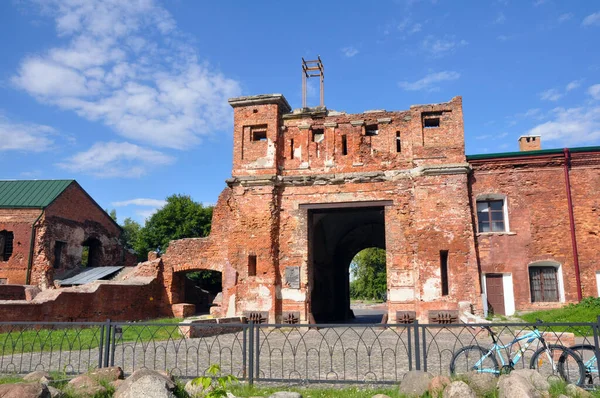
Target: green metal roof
{"x": 532, "y": 153}
{"x": 31, "y": 194}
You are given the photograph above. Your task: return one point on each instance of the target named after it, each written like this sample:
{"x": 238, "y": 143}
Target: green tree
{"x": 369, "y": 280}
{"x": 131, "y": 231}
{"x": 179, "y": 218}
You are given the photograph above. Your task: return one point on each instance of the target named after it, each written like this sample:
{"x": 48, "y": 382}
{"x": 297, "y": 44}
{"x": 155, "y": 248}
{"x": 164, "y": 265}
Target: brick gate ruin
{"x": 311, "y": 188}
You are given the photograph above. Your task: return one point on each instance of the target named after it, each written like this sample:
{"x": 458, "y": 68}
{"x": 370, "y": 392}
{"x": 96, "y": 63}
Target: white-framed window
{"x": 546, "y": 282}
{"x": 492, "y": 213}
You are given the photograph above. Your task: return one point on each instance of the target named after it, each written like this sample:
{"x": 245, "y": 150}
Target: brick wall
{"x": 19, "y": 222}
{"x": 538, "y": 215}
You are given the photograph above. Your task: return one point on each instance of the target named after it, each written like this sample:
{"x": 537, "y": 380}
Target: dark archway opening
{"x": 336, "y": 235}
{"x": 201, "y": 288}
{"x": 91, "y": 255}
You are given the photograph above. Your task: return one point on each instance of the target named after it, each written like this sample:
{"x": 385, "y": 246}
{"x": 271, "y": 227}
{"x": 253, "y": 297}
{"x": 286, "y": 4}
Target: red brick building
{"x": 311, "y": 188}
{"x": 46, "y": 226}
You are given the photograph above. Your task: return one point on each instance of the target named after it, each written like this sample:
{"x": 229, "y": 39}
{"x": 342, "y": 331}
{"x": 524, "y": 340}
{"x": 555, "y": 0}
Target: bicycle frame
{"x": 530, "y": 337}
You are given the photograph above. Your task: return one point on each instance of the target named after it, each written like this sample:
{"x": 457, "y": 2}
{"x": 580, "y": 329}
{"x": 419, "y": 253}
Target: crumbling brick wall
{"x": 260, "y": 227}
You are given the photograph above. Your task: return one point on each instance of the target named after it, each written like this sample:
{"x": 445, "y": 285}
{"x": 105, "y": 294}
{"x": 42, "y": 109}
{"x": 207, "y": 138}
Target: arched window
{"x": 492, "y": 213}
{"x": 6, "y": 245}
{"x": 546, "y": 282}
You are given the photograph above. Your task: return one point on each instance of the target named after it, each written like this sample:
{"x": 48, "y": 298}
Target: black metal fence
{"x": 378, "y": 354}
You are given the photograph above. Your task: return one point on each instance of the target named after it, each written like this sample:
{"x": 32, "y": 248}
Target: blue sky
{"x": 130, "y": 97}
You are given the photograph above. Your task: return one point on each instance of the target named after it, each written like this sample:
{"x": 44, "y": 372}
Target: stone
{"x": 148, "y": 386}
{"x": 107, "y": 374}
{"x": 285, "y": 394}
{"x": 380, "y": 396}
{"x": 55, "y": 392}
{"x": 458, "y": 389}
{"x": 516, "y": 386}
{"x": 538, "y": 381}
{"x": 482, "y": 383}
{"x": 415, "y": 383}
{"x": 84, "y": 385}
{"x": 117, "y": 383}
{"x": 24, "y": 390}
{"x": 38, "y": 376}
{"x": 437, "y": 385}
{"x": 578, "y": 392}
{"x": 146, "y": 383}
{"x": 193, "y": 389}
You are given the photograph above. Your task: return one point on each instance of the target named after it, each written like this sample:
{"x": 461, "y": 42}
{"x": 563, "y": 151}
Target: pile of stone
{"x": 523, "y": 383}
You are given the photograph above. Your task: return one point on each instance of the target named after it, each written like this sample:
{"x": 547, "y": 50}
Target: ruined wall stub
{"x": 409, "y": 164}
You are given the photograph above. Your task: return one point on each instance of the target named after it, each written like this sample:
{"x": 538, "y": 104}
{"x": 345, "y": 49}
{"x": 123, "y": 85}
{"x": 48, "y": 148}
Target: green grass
{"x": 585, "y": 311}
{"x": 83, "y": 338}
{"x": 9, "y": 379}
{"x": 348, "y": 392}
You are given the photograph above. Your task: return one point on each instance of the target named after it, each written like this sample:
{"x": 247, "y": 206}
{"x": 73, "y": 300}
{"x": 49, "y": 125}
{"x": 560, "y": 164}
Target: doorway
{"x": 335, "y": 236}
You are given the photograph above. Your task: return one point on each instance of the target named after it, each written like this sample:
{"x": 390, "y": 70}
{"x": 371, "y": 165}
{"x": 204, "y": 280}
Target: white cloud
{"x": 550, "y": 95}
{"x": 592, "y": 19}
{"x": 439, "y": 47}
{"x": 126, "y": 65}
{"x": 408, "y": 27}
{"x": 573, "y": 85}
{"x": 349, "y": 51}
{"x": 594, "y": 91}
{"x": 115, "y": 159}
{"x": 428, "y": 83}
{"x": 573, "y": 126}
{"x": 500, "y": 19}
{"x": 565, "y": 17}
{"x": 539, "y": 2}
{"x": 145, "y": 202}
{"x": 25, "y": 137}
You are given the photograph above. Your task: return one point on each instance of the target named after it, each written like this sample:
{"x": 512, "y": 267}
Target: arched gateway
{"x": 313, "y": 187}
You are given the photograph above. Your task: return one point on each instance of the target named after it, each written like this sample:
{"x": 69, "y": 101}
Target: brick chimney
{"x": 530, "y": 143}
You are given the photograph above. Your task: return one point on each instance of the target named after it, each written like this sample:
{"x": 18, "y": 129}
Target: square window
{"x": 258, "y": 133}
{"x": 431, "y": 122}
{"x": 490, "y": 216}
{"x": 371, "y": 130}
{"x": 318, "y": 135}
{"x": 543, "y": 283}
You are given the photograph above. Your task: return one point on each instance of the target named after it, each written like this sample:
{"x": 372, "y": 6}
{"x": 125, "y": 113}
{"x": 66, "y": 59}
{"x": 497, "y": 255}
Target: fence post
{"x": 417, "y": 346}
{"x": 107, "y": 329}
{"x": 596, "y": 328}
{"x": 251, "y": 353}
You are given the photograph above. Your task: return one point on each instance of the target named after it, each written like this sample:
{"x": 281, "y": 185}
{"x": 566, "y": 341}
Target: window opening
{"x": 90, "y": 255}
{"x": 258, "y": 133}
{"x": 432, "y": 122}
{"x": 6, "y": 245}
{"x": 543, "y": 284}
{"x": 292, "y": 148}
{"x": 444, "y": 271}
{"x": 3, "y": 281}
{"x": 371, "y": 130}
{"x": 58, "y": 249}
{"x": 398, "y": 142}
{"x": 318, "y": 135}
{"x": 344, "y": 145}
{"x": 490, "y": 215}
{"x": 252, "y": 265}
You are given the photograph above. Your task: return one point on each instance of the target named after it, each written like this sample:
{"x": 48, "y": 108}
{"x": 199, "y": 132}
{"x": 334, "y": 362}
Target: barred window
{"x": 544, "y": 284}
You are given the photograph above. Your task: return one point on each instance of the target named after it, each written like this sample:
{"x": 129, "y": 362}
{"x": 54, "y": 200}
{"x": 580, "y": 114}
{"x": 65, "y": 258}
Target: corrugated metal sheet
{"x": 31, "y": 194}
{"x": 90, "y": 275}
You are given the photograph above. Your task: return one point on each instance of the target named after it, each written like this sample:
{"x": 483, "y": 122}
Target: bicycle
{"x": 478, "y": 359}
{"x": 587, "y": 353}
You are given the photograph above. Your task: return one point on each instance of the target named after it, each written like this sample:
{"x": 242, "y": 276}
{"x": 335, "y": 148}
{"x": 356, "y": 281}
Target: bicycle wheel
{"x": 587, "y": 353}
{"x": 561, "y": 361}
{"x": 473, "y": 358}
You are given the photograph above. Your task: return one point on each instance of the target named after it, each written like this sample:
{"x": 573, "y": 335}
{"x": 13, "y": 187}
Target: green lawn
{"x": 83, "y": 338}
{"x": 585, "y": 311}
{"x": 347, "y": 392}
